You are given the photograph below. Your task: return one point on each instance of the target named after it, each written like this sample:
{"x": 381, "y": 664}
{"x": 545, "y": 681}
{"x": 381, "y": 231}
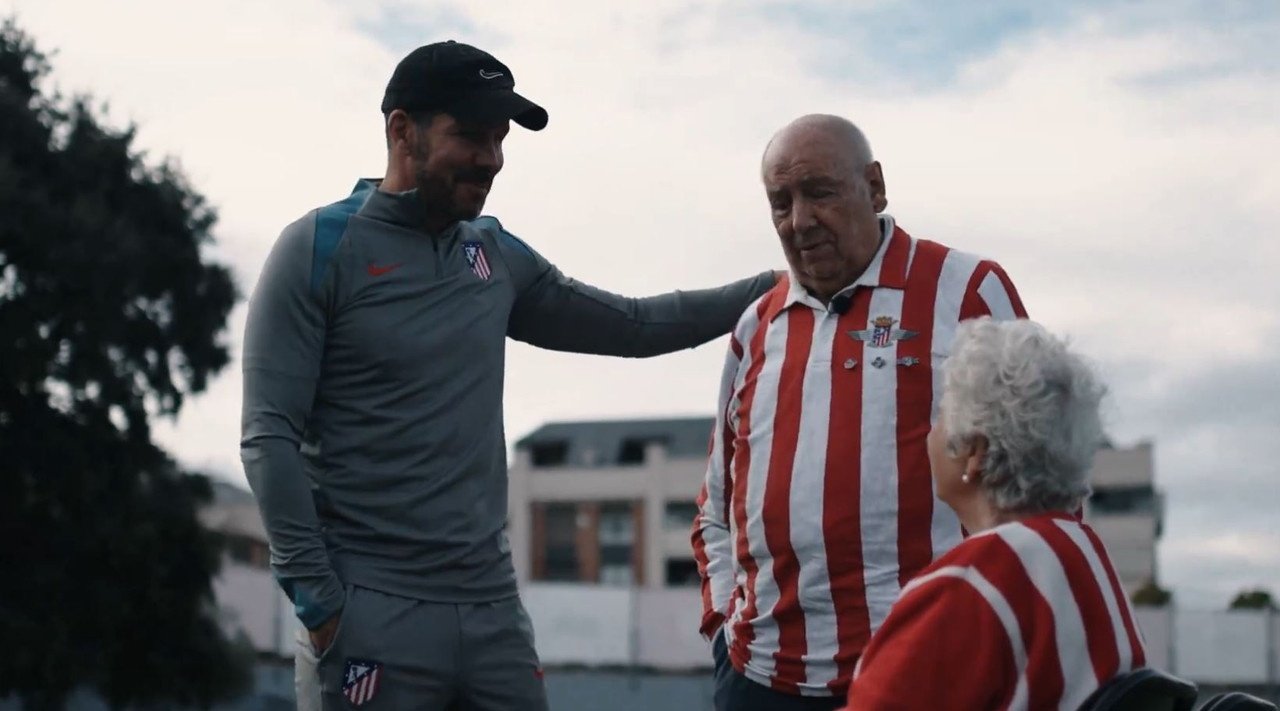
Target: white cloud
{"x": 1126, "y": 179}
{"x": 1249, "y": 548}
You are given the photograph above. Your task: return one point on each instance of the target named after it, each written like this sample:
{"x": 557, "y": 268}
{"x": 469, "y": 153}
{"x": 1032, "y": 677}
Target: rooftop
{"x": 605, "y": 443}
{"x": 233, "y": 511}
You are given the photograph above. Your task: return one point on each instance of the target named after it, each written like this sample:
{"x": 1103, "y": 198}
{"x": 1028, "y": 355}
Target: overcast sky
{"x": 1121, "y": 160}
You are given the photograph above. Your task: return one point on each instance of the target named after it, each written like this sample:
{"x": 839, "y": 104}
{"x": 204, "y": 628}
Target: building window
{"x": 1123, "y": 500}
{"x": 549, "y": 454}
{"x": 679, "y": 515}
{"x": 561, "y": 543}
{"x": 633, "y": 449}
{"x": 616, "y": 537}
{"x": 588, "y": 542}
{"x": 682, "y": 572}
{"x": 631, "y": 452}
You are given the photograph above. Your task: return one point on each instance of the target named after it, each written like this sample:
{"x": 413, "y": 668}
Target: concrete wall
{"x": 591, "y": 626}
{"x": 581, "y": 624}
{"x": 1129, "y": 466}
{"x": 1156, "y": 626}
{"x": 1130, "y": 540}
{"x": 1225, "y": 647}
{"x": 250, "y": 602}
{"x": 641, "y": 650}
{"x": 667, "y": 633}
{"x": 1130, "y": 537}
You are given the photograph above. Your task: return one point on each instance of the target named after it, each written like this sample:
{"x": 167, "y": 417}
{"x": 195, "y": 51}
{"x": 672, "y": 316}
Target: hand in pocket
{"x": 322, "y": 636}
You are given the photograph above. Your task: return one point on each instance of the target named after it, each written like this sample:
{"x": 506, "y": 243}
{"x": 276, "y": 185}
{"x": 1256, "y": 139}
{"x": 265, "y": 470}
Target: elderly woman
{"x": 1027, "y": 612}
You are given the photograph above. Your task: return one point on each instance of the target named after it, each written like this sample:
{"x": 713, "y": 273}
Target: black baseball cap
{"x": 462, "y": 81}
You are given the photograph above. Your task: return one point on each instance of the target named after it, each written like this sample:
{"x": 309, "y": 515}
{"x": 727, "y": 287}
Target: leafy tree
{"x": 1256, "y": 599}
{"x": 1152, "y": 595}
{"x": 109, "y": 316}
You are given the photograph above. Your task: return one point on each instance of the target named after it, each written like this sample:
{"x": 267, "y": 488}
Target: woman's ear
{"x": 975, "y": 459}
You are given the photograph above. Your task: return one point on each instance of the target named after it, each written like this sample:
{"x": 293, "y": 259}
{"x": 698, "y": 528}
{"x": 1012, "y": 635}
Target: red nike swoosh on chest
{"x": 377, "y": 271}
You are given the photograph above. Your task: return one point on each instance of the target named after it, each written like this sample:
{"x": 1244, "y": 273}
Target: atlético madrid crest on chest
{"x": 882, "y": 334}
{"x": 474, "y": 250}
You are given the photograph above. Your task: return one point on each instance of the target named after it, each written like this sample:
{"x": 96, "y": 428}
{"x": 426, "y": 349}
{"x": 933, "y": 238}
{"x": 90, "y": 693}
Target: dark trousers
{"x": 735, "y": 692}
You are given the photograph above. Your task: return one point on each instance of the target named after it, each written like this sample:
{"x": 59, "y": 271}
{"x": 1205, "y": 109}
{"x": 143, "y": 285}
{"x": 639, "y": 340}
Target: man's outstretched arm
{"x": 555, "y": 312}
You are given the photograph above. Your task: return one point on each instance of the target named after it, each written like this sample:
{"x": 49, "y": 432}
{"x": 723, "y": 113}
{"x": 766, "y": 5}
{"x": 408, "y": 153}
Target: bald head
{"x": 837, "y": 133}
{"x": 825, "y": 192}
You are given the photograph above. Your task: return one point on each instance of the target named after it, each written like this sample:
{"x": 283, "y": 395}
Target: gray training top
{"x": 373, "y": 373}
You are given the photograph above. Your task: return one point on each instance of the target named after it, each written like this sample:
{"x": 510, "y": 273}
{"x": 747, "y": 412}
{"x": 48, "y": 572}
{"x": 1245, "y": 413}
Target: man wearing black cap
{"x": 372, "y": 425}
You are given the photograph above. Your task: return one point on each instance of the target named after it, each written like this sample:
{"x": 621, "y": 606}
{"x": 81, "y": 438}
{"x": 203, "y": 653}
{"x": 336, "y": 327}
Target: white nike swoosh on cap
{"x": 489, "y": 75}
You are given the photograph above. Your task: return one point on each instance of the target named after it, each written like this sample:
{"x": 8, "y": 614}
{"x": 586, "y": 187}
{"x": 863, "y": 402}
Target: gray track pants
{"x": 397, "y": 653}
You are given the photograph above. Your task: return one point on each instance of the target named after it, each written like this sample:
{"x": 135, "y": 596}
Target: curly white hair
{"x": 1036, "y": 403}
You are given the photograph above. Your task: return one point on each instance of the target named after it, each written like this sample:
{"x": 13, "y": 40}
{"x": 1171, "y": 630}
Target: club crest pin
{"x": 882, "y": 333}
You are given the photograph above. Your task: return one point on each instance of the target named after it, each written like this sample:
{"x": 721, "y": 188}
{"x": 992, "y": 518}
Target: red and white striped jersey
{"x": 1037, "y": 602}
{"x": 818, "y": 503}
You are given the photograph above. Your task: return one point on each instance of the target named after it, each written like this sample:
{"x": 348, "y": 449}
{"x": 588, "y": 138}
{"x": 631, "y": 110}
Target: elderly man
{"x": 818, "y": 504}
{"x": 372, "y": 430}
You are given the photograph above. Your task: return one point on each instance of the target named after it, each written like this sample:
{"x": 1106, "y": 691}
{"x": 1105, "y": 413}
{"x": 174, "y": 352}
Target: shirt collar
{"x": 888, "y": 268}
{"x": 401, "y": 208}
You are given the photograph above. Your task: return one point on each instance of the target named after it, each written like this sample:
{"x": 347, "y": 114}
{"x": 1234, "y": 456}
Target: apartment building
{"x": 612, "y": 503}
